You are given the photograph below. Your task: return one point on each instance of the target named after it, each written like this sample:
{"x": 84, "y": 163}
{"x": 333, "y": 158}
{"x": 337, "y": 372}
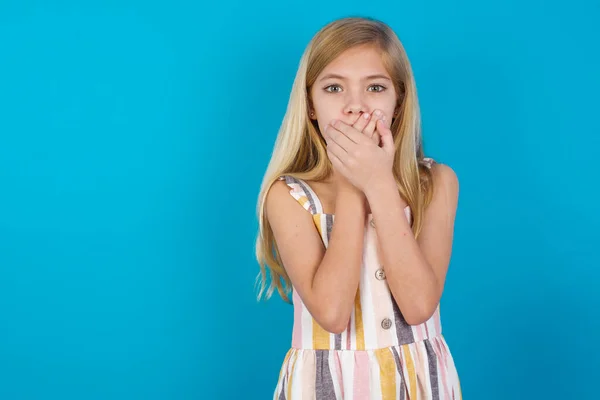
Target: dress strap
{"x": 304, "y": 194}
{"x": 428, "y": 161}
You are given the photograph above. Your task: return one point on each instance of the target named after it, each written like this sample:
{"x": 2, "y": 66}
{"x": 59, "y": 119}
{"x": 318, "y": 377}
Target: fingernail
{"x": 377, "y": 113}
{"x": 366, "y": 115}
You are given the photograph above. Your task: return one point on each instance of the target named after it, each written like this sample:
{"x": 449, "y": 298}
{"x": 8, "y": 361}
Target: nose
{"x": 355, "y": 104}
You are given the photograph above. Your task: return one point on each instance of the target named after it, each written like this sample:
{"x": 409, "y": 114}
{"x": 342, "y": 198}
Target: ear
{"x": 311, "y": 110}
{"x": 395, "y": 115}
{"x": 397, "y": 109}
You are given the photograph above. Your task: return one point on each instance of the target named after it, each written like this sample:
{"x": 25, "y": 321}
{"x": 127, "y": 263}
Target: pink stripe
{"x": 417, "y": 332}
{"x": 436, "y": 319}
{"x": 297, "y": 333}
{"x": 416, "y": 354}
{"x": 338, "y": 370}
{"x": 442, "y": 364}
{"x": 361, "y": 375}
{"x": 422, "y": 330}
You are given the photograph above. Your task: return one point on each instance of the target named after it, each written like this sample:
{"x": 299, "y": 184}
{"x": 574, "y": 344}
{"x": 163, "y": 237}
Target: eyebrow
{"x": 368, "y": 78}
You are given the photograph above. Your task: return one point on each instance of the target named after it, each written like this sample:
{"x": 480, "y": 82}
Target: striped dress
{"x": 379, "y": 355}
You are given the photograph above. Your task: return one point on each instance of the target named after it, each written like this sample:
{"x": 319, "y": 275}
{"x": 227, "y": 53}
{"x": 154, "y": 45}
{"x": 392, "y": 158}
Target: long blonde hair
{"x": 300, "y": 150}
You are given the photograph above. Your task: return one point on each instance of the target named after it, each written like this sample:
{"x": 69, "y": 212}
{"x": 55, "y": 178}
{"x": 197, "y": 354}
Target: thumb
{"x": 387, "y": 140}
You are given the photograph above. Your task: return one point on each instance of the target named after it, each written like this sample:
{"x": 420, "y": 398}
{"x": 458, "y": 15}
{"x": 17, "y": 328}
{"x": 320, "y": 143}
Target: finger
{"x": 382, "y": 128}
{"x": 362, "y": 121}
{"x": 370, "y": 128}
{"x": 387, "y": 139}
{"x": 340, "y": 138}
{"x": 377, "y": 138}
{"x": 349, "y": 132}
{"x": 337, "y": 163}
{"x": 337, "y": 151}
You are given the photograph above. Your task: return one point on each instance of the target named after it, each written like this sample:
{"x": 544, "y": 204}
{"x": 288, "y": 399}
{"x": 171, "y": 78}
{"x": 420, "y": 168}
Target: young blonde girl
{"x": 365, "y": 289}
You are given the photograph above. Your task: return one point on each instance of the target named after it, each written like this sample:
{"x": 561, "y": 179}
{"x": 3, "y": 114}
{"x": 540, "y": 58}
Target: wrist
{"x": 344, "y": 187}
{"x": 380, "y": 185}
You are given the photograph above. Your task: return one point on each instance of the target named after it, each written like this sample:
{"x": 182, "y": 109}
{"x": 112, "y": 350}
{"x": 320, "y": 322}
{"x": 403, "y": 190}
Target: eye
{"x": 331, "y": 87}
{"x": 379, "y": 88}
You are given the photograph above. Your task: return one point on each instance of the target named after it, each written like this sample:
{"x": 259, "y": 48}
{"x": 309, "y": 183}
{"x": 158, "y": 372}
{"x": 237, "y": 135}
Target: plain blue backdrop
{"x": 133, "y": 139}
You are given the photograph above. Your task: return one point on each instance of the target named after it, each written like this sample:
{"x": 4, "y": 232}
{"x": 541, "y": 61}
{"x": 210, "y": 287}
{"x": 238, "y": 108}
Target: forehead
{"x": 359, "y": 60}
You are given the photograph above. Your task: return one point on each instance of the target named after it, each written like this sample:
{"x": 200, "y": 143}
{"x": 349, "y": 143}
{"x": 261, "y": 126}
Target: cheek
{"x": 322, "y": 125}
{"x": 390, "y": 112}
{"x": 324, "y": 106}
{"x": 326, "y": 112}
{"x": 388, "y": 106}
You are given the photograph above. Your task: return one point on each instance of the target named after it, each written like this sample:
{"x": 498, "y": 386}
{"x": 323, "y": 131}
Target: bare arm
{"x": 416, "y": 269}
{"x": 325, "y": 280}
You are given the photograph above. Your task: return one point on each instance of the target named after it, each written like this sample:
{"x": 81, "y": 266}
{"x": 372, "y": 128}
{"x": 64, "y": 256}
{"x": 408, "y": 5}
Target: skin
{"x": 353, "y": 86}
{"x": 361, "y": 151}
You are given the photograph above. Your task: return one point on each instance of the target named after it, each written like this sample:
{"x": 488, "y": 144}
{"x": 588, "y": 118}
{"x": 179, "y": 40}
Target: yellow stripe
{"x": 289, "y": 386}
{"x": 387, "y": 373}
{"x": 304, "y": 201}
{"x": 320, "y": 336}
{"x": 317, "y": 221}
{"x": 358, "y": 323}
{"x": 412, "y": 375}
{"x": 284, "y": 365}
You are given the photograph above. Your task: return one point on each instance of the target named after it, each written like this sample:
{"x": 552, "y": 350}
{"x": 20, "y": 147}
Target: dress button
{"x": 386, "y": 323}
{"x": 380, "y": 274}
{"x": 373, "y": 223}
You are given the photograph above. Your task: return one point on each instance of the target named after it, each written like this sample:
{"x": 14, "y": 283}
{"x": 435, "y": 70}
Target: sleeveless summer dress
{"x": 378, "y": 356}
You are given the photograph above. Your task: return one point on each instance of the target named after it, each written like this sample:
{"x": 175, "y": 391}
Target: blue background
{"x": 133, "y": 139}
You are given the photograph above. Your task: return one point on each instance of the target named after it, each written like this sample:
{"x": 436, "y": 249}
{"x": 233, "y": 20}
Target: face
{"x": 352, "y": 84}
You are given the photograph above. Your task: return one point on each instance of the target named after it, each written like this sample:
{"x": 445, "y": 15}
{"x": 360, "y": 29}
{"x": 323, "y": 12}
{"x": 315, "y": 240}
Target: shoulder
{"x": 444, "y": 175}
{"x": 281, "y": 201}
{"x": 298, "y": 243}
{"x": 276, "y": 196}
{"x": 445, "y": 186}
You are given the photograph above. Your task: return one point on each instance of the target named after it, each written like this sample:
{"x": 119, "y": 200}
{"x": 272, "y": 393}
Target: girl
{"x": 365, "y": 289}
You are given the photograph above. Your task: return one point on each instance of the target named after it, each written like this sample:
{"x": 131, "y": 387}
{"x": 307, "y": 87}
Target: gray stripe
{"x": 433, "y": 373}
{"x": 306, "y": 191}
{"x": 323, "y": 382}
{"x": 313, "y": 195}
{"x": 403, "y": 330}
{"x": 400, "y": 372}
{"x": 338, "y": 341}
{"x": 329, "y": 224}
